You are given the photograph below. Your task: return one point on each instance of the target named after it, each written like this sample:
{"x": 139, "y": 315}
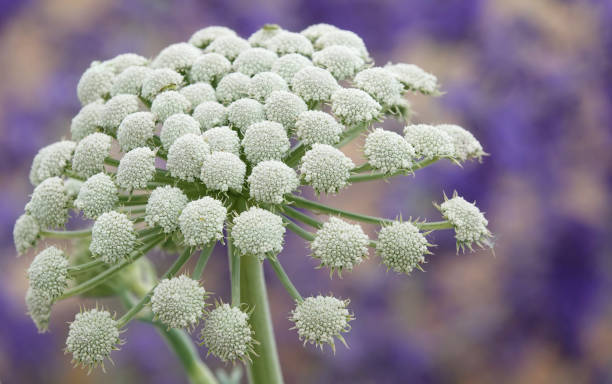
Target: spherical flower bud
{"x": 123, "y": 61}
{"x": 260, "y": 37}
{"x": 344, "y": 38}
{"x": 210, "y": 114}
{"x": 354, "y": 106}
{"x": 232, "y": 87}
{"x": 176, "y": 126}
{"x": 314, "y": 84}
{"x": 97, "y": 195}
{"x": 315, "y": 31}
{"x": 72, "y": 187}
{"x": 320, "y": 319}
{"x": 342, "y": 62}
{"x": 92, "y": 336}
{"x": 178, "y": 302}
{"x": 222, "y": 171}
{"x": 429, "y": 142}
{"x": 228, "y": 46}
{"x": 210, "y": 68}
{"x": 380, "y": 84}
{"x": 160, "y": 80}
{"x": 285, "y": 42}
{"x": 164, "y": 207}
{"x": 326, "y": 168}
{"x": 270, "y": 180}
{"x": 388, "y": 152}
{"x": 401, "y": 246}
{"x": 95, "y": 84}
{"x": 38, "y": 304}
{"x": 244, "y": 112}
{"x": 258, "y": 232}
{"x": 264, "y": 83}
{"x": 287, "y": 66}
{"x": 469, "y": 222}
{"x": 205, "y": 36}
{"x": 222, "y": 139}
{"x": 49, "y": 203}
{"x": 284, "y": 107}
{"x": 52, "y": 160}
{"x": 202, "y": 221}
{"x": 90, "y": 153}
{"x": 186, "y": 155}
{"x": 135, "y": 130}
{"x": 112, "y": 237}
{"x": 254, "y": 60}
{"x": 86, "y": 121}
{"x": 130, "y": 81}
{"x": 340, "y": 245}
{"x": 414, "y": 78}
{"x": 314, "y": 127}
{"x": 178, "y": 57}
{"x": 266, "y": 140}
{"x": 466, "y": 145}
{"x": 136, "y": 169}
{"x": 227, "y": 333}
{"x": 169, "y": 103}
{"x": 49, "y": 272}
{"x": 198, "y": 93}
{"x": 116, "y": 109}
{"x": 25, "y": 233}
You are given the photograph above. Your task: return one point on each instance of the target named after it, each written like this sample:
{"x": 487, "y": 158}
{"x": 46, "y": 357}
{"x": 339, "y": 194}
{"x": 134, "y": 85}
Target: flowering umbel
{"x": 214, "y": 140}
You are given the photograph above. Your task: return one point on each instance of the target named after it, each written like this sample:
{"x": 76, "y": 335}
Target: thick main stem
{"x": 265, "y": 367}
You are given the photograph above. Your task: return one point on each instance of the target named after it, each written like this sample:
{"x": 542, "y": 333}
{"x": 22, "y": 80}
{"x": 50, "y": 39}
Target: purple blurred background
{"x": 531, "y": 79}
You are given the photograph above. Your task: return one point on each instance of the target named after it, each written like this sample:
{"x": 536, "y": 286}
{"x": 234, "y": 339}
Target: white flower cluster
{"x": 217, "y": 135}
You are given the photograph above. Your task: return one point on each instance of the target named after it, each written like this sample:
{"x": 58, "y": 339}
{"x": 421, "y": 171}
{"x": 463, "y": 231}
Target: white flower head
{"x": 136, "y": 169}
{"x": 210, "y": 114}
{"x": 314, "y": 84}
{"x": 205, "y": 36}
{"x": 388, "y": 152}
{"x": 86, "y": 121}
{"x": 285, "y": 42}
{"x": 222, "y": 139}
{"x": 354, "y": 106}
{"x": 210, "y": 68}
{"x": 340, "y": 245}
{"x": 227, "y": 334}
{"x": 469, "y": 222}
{"x": 380, "y": 84}
{"x": 116, "y": 109}
{"x": 130, "y": 81}
{"x": 341, "y": 61}
{"x": 90, "y": 153}
{"x": 38, "y": 304}
{"x": 287, "y": 66}
{"x": 429, "y": 142}
{"x": 178, "y": 57}
{"x": 232, "y": 87}
{"x": 258, "y": 232}
{"x": 223, "y": 171}
{"x": 202, "y": 221}
{"x": 284, "y": 107}
{"x": 315, "y": 31}
{"x": 178, "y": 302}
{"x": 414, "y": 78}
{"x": 25, "y": 233}
{"x": 260, "y": 37}
{"x": 401, "y": 246}
{"x": 317, "y": 127}
{"x": 326, "y": 168}
{"x": 49, "y": 272}
{"x": 186, "y": 156}
{"x": 169, "y": 103}
{"x": 254, "y": 60}
{"x": 97, "y": 195}
{"x": 49, "y": 203}
{"x": 244, "y": 112}
{"x": 164, "y": 207}
{"x": 175, "y": 126}
{"x": 344, "y": 38}
{"x": 229, "y": 46}
{"x": 160, "y": 80}
{"x": 264, "y": 83}
{"x": 123, "y": 61}
{"x": 270, "y": 180}
{"x": 135, "y": 130}
{"x": 198, "y": 93}
{"x": 95, "y": 84}
{"x": 112, "y": 237}
{"x": 266, "y": 140}
{"x": 466, "y": 145}
{"x": 51, "y": 160}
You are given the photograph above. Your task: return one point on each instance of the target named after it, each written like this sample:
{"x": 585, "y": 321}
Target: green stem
{"x": 294, "y": 156}
{"x": 304, "y": 218}
{"x": 381, "y": 175}
{"x": 202, "y": 261}
{"x": 72, "y": 174}
{"x": 66, "y": 234}
{"x": 108, "y": 273}
{"x": 234, "y": 262}
{"x": 350, "y": 134}
{"x": 284, "y": 279}
{"x": 265, "y": 367}
{"x": 301, "y": 232}
{"x": 362, "y": 168}
{"x": 112, "y": 162}
{"x": 183, "y": 258}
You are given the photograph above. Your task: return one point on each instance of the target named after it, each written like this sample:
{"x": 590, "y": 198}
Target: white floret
{"x": 202, "y": 221}
{"x": 136, "y": 130}
{"x": 97, "y": 195}
{"x": 95, "y": 84}
{"x": 466, "y": 145}
{"x": 232, "y": 87}
{"x": 284, "y": 107}
{"x": 342, "y": 62}
{"x": 326, "y": 168}
{"x": 258, "y": 232}
{"x": 205, "y": 36}
{"x": 160, "y": 80}
{"x": 315, "y": 31}
{"x": 388, "y": 152}
{"x": 176, "y": 126}
{"x": 198, "y": 93}
{"x": 380, "y": 84}
{"x": 264, "y": 83}
{"x": 285, "y": 42}
{"x": 244, "y": 112}
{"x": 287, "y": 66}
{"x": 112, "y": 237}
{"x": 318, "y": 127}
{"x": 222, "y": 171}
{"x": 25, "y": 233}
{"x": 401, "y": 246}
{"x": 186, "y": 155}
{"x": 340, "y": 245}
{"x": 210, "y": 114}
{"x": 90, "y": 153}
{"x": 123, "y": 61}
{"x": 429, "y": 142}
{"x": 270, "y": 180}
{"x": 210, "y": 68}
{"x": 260, "y": 37}
{"x": 178, "y": 57}
{"x": 86, "y": 121}
{"x": 116, "y": 109}
{"x": 320, "y": 319}
{"x": 169, "y": 103}
{"x": 354, "y": 106}
{"x": 38, "y": 304}
{"x": 266, "y": 140}
{"x": 254, "y": 60}
{"x": 314, "y": 84}
{"x": 227, "y": 334}
{"x": 178, "y": 302}
{"x": 414, "y": 78}
{"x": 469, "y": 222}
{"x": 344, "y": 38}
{"x": 136, "y": 169}
{"x": 130, "y": 81}
{"x": 228, "y": 46}
{"x": 222, "y": 139}
{"x": 92, "y": 336}
{"x": 51, "y": 160}
{"x": 164, "y": 207}
{"x": 49, "y": 272}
